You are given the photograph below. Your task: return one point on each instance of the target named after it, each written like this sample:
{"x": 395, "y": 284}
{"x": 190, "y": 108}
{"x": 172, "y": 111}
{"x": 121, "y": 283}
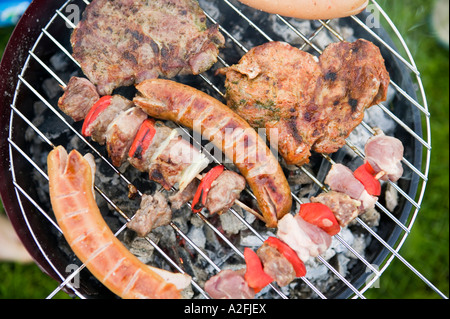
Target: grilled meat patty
{"x": 118, "y": 43}
{"x": 311, "y": 104}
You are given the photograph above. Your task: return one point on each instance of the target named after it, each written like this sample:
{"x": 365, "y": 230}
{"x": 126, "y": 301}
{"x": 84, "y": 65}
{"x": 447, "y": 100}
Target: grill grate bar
{"x": 110, "y": 202}
{"x": 42, "y": 99}
{"x": 385, "y": 244}
{"x": 393, "y": 51}
{"x": 231, "y": 209}
{"x": 310, "y": 43}
{"x": 404, "y": 160}
{"x": 359, "y": 153}
{"x": 68, "y": 284}
{"x": 338, "y": 36}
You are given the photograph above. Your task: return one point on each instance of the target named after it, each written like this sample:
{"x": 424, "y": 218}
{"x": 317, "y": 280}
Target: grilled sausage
{"x": 77, "y": 213}
{"x": 168, "y": 100}
{"x": 307, "y": 9}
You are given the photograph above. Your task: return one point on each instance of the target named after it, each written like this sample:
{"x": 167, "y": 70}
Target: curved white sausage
{"x": 310, "y": 9}
{"x": 77, "y": 213}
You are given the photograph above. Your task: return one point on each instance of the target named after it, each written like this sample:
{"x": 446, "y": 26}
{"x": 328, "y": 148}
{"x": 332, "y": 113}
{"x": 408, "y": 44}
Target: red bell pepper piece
{"x": 289, "y": 254}
{"x": 204, "y": 187}
{"x": 94, "y": 112}
{"x": 143, "y": 139}
{"x": 365, "y": 175}
{"x": 255, "y": 276}
{"x": 320, "y": 215}
{"x": 369, "y": 168}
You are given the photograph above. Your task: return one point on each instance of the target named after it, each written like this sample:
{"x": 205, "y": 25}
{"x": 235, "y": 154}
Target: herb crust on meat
{"x": 311, "y": 104}
{"x": 122, "y": 42}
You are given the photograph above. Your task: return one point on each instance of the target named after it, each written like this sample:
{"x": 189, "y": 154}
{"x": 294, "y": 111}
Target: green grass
{"x": 427, "y": 247}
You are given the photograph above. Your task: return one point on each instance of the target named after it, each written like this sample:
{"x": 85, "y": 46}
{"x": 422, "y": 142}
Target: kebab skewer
{"x": 151, "y": 146}
{"x": 305, "y": 234}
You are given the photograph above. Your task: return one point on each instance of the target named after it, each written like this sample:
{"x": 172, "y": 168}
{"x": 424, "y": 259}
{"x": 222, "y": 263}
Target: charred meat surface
{"x": 276, "y": 265}
{"x": 99, "y": 126}
{"x": 183, "y": 196}
{"x": 175, "y": 158}
{"x": 143, "y": 161}
{"x": 118, "y": 43}
{"x": 344, "y": 208}
{"x": 313, "y": 105}
{"x": 78, "y": 98}
{"x": 224, "y": 191}
{"x": 153, "y": 212}
{"x": 121, "y": 132}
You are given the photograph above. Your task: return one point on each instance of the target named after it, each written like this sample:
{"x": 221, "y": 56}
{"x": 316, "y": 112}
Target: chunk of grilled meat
{"x": 384, "y": 154}
{"x": 181, "y": 197}
{"x": 121, "y": 132}
{"x": 312, "y": 104}
{"x": 229, "y": 284}
{"x": 122, "y": 42}
{"x": 344, "y": 208}
{"x": 78, "y": 98}
{"x": 153, "y": 212}
{"x": 100, "y": 125}
{"x": 224, "y": 192}
{"x": 276, "y": 265}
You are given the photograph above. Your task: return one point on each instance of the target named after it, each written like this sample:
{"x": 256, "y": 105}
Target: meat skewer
{"x": 302, "y": 231}
{"x": 150, "y": 146}
{"x": 350, "y": 196}
{"x": 384, "y": 154}
{"x": 119, "y": 43}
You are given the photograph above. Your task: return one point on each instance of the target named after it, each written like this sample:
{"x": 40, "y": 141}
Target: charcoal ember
{"x": 230, "y": 223}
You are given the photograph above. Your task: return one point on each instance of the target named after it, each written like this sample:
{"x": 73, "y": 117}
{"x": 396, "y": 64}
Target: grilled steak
{"x": 122, "y": 42}
{"x": 312, "y": 104}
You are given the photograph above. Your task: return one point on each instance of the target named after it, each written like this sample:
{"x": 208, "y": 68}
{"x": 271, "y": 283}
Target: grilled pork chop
{"x": 312, "y": 104}
{"x": 122, "y": 42}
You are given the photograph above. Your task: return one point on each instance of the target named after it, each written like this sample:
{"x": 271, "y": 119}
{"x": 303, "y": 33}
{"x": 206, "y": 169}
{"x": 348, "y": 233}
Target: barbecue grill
{"x": 38, "y": 62}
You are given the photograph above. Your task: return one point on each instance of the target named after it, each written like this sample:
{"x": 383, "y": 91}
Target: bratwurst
{"x": 71, "y": 181}
{"x": 169, "y": 100}
{"x": 306, "y": 9}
